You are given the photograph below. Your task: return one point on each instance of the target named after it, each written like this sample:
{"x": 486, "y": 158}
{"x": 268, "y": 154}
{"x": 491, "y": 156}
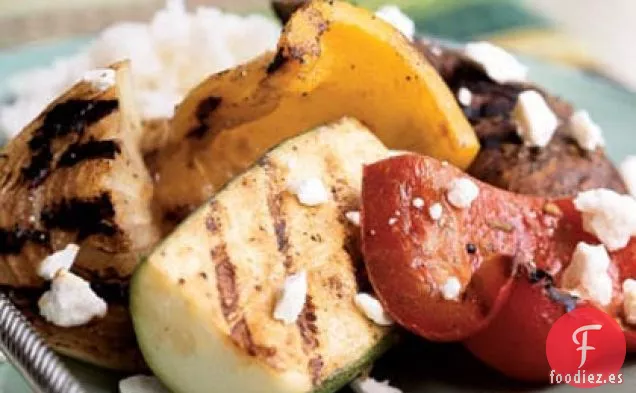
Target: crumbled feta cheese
{"x": 101, "y": 79}
{"x": 628, "y": 172}
{"x": 353, "y": 217}
{"x": 462, "y": 192}
{"x": 394, "y": 16}
{"x": 536, "y": 123}
{"x": 70, "y": 301}
{"x": 370, "y": 385}
{"x": 629, "y": 300}
{"x": 610, "y": 216}
{"x": 586, "y": 133}
{"x": 587, "y": 275}
{"x": 436, "y": 50}
{"x": 464, "y": 96}
{"x": 310, "y": 192}
{"x": 59, "y": 260}
{"x": 392, "y": 220}
{"x": 372, "y": 309}
{"x": 418, "y": 203}
{"x": 292, "y": 298}
{"x": 141, "y": 384}
{"x": 435, "y": 211}
{"x": 451, "y": 289}
{"x": 499, "y": 65}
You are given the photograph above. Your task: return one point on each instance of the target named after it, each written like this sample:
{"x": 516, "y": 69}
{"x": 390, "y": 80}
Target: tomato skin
{"x": 514, "y": 342}
{"x": 409, "y": 256}
{"x": 406, "y": 260}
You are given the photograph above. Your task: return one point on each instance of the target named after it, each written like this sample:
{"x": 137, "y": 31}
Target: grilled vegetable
{"x": 75, "y": 175}
{"x": 203, "y": 302}
{"x": 559, "y": 170}
{"x": 508, "y": 253}
{"x": 333, "y": 60}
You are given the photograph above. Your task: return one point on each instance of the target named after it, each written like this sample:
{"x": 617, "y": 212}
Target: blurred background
{"x": 592, "y": 34}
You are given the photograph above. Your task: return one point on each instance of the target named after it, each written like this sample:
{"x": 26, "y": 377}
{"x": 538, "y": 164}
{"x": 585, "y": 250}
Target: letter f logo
{"x": 584, "y": 347}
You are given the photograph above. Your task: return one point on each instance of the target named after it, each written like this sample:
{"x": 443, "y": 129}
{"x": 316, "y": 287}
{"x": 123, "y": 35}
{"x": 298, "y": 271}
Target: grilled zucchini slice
{"x": 202, "y": 303}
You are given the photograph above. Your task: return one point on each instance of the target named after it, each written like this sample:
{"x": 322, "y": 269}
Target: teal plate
{"x": 416, "y": 367}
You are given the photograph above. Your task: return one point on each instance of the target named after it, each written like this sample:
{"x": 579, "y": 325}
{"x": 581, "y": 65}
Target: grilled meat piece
{"x": 75, "y": 175}
{"x": 560, "y": 169}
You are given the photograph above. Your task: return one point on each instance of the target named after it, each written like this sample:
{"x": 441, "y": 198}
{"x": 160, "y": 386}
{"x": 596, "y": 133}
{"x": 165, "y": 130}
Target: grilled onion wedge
{"x": 75, "y": 175}
{"x": 202, "y": 303}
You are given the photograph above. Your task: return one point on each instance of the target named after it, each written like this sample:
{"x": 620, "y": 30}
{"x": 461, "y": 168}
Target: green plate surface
{"x": 416, "y": 367}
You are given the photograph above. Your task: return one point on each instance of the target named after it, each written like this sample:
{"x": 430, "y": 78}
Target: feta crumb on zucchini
{"x": 292, "y": 298}
{"x": 310, "y": 192}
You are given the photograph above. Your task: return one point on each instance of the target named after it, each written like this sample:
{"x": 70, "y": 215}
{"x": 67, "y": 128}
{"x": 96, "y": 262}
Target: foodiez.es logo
{"x": 586, "y": 348}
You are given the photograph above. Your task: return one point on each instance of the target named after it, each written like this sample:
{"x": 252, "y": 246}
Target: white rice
{"x": 169, "y": 56}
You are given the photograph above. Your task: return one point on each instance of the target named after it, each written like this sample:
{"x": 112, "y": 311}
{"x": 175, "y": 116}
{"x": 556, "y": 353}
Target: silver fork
{"x": 39, "y": 366}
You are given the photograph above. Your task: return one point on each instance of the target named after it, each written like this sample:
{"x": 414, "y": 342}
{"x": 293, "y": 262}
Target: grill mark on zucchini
{"x": 306, "y": 322}
{"x": 242, "y": 335}
{"x": 226, "y": 283}
{"x": 228, "y": 291}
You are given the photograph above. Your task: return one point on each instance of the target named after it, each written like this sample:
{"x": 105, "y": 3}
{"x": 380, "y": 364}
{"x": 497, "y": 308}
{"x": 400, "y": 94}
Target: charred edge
{"x": 177, "y": 214}
{"x": 225, "y": 282}
{"x": 205, "y": 107}
{"x": 539, "y": 276}
{"x": 87, "y": 217}
{"x": 277, "y": 63}
{"x": 92, "y": 150}
{"x": 12, "y": 241}
{"x": 72, "y": 116}
{"x": 39, "y": 168}
{"x": 115, "y": 292}
{"x": 242, "y": 336}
